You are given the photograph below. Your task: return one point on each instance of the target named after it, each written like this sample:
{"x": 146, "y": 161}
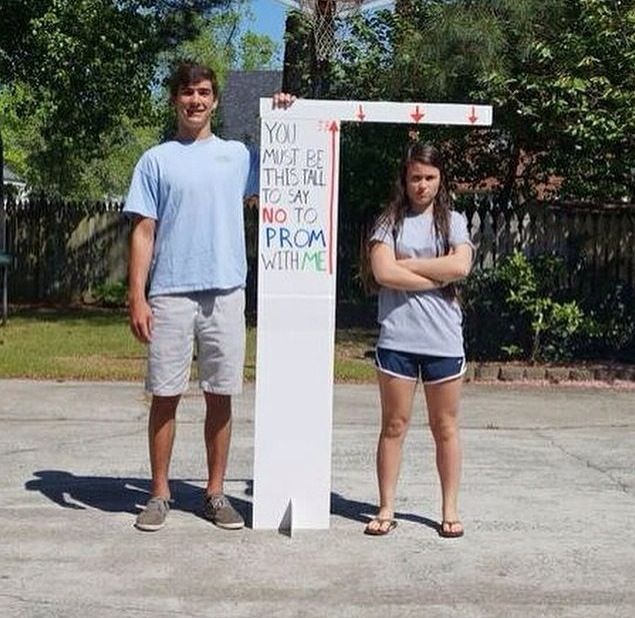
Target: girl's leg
{"x": 396, "y": 407}
{"x": 443, "y": 410}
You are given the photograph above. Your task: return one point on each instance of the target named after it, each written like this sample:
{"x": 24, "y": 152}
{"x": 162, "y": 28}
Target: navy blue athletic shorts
{"x": 431, "y": 369}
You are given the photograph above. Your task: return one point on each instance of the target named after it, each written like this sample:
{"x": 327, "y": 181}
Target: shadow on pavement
{"x": 363, "y": 511}
{"x": 119, "y": 494}
{"x": 129, "y": 494}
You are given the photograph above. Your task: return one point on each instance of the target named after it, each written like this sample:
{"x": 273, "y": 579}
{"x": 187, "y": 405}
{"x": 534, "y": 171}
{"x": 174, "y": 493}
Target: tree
{"x": 257, "y": 52}
{"x": 559, "y": 73}
{"x": 571, "y": 103}
{"x": 297, "y": 55}
{"x": 89, "y": 64}
{"x": 223, "y": 44}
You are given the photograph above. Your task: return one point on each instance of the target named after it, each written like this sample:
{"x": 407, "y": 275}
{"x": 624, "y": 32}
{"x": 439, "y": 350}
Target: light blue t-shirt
{"x": 194, "y": 190}
{"x": 420, "y": 322}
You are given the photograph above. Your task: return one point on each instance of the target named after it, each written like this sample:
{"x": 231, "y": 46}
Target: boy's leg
{"x": 221, "y": 348}
{"x": 220, "y": 330}
{"x": 161, "y": 429}
{"x": 217, "y": 439}
{"x": 217, "y": 507}
{"x": 169, "y": 361}
{"x": 160, "y": 439}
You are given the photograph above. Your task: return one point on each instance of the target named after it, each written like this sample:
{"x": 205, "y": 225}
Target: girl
{"x": 418, "y": 247}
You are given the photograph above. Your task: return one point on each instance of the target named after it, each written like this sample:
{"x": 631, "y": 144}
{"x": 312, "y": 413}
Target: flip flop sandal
{"x": 381, "y": 530}
{"x": 448, "y": 534}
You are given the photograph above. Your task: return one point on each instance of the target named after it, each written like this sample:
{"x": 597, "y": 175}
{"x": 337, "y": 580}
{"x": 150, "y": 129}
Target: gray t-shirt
{"x": 421, "y": 322}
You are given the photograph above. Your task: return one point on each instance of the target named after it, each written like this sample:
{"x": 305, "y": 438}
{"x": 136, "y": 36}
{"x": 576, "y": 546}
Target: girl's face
{"x": 422, "y": 185}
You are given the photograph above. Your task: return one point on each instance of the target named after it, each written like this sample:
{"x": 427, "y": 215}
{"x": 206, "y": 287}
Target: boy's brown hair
{"x": 187, "y": 73}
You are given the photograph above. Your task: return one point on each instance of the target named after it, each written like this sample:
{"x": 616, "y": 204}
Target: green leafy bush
{"x": 494, "y": 329}
{"x": 609, "y": 325}
{"x": 513, "y": 311}
{"x": 111, "y": 294}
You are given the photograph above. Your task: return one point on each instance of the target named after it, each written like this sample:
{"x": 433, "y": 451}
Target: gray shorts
{"x": 216, "y": 321}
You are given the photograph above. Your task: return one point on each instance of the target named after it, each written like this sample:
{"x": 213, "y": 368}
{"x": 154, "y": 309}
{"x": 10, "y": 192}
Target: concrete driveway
{"x": 547, "y": 501}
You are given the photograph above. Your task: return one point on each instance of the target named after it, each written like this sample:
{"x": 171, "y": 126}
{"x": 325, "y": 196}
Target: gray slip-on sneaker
{"x": 220, "y": 512}
{"x": 153, "y": 516}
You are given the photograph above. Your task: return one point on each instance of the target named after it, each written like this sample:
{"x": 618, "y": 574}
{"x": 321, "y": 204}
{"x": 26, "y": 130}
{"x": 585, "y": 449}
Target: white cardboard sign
{"x": 299, "y": 167}
{"x": 297, "y": 265}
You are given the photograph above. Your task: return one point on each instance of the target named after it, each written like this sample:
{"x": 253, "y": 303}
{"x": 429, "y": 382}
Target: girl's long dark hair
{"x": 393, "y": 215}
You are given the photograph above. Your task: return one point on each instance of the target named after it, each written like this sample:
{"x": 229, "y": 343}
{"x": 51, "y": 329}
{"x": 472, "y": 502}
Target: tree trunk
{"x": 510, "y": 177}
{"x": 296, "y": 68}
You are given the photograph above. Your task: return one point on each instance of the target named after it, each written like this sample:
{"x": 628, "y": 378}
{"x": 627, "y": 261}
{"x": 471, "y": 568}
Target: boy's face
{"x": 194, "y": 105}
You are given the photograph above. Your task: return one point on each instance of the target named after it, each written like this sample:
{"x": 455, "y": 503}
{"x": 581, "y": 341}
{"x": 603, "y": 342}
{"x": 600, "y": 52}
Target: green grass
{"x": 94, "y": 344}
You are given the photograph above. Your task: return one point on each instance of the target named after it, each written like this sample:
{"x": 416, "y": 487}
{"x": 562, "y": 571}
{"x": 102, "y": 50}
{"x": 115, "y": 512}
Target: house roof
{"x": 240, "y": 107}
{"x": 11, "y": 177}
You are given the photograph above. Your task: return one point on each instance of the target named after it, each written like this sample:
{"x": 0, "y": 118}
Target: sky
{"x": 269, "y": 18}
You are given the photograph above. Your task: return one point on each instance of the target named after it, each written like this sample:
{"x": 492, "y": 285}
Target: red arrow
{"x": 360, "y": 114}
{"x": 333, "y": 128}
{"x": 473, "y": 117}
{"x": 417, "y": 115}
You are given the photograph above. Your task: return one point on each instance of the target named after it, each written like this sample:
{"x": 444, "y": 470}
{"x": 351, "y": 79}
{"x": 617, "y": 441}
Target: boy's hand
{"x": 141, "y": 320}
{"x": 283, "y": 100}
